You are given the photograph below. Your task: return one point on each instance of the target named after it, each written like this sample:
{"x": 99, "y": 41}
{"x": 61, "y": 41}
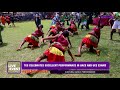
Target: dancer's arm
{"x": 50, "y": 37}
{"x": 69, "y": 41}
{"x": 79, "y": 49}
{"x": 23, "y": 42}
{"x": 69, "y": 52}
{"x": 47, "y": 38}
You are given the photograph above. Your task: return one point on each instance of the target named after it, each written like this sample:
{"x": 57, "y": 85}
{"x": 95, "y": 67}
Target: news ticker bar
{"x": 66, "y": 65}
{"x": 80, "y": 72}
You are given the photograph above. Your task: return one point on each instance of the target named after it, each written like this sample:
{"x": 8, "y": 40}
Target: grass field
{"x": 12, "y": 36}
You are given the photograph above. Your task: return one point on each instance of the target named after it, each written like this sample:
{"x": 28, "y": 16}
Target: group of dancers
{"x": 9, "y": 19}
{"x": 58, "y": 36}
{"x": 59, "y": 42}
{"x": 3, "y": 20}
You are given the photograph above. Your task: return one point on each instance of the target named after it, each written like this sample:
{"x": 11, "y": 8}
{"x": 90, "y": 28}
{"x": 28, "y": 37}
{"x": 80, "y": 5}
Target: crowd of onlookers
{"x": 27, "y": 16}
{"x": 24, "y": 16}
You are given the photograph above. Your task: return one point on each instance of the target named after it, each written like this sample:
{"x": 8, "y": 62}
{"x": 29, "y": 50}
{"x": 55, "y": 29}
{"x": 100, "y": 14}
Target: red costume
{"x": 56, "y": 52}
{"x": 3, "y": 20}
{"x": 53, "y": 32}
{"x": 34, "y": 38}
{"x": 52, "y": 27}
{"x": 73, "y": 27}
{"x": 8, "y": 19}
{"x": 92, "y": 38}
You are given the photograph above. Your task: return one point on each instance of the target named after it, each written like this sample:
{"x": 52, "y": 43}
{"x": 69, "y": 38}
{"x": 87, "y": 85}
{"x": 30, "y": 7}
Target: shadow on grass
{"x": 103, "y": 50}
{"x": 34, "y": 47}
{"x": 4, "y": 44}
{"x": 30, "y": 48}
{"x": 86, "y": 51}
{"x": 102, "y": 38}
{"x": 116, "y": 40}
{"x": 41, "y": 46}
{"x": 117, "y": 50}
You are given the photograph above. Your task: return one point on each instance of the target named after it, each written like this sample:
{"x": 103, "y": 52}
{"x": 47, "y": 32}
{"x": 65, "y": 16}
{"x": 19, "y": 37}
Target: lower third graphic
{"x": 13, "y": 67}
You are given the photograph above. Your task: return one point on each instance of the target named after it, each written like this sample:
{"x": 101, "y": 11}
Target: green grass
{"x": 110, "y": 51}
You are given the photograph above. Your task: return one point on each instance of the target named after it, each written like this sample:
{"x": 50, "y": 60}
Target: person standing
{"x": 67, "y": 19}
{"x": 58, "y": 16}
{"x": 116, "y": 24}
{"x": 12, "y": 19}
{"x": 55, "y": 19}
{"x": 111, "y": 20}
{"x": 89, "y": 21}
{"x": 83, "y": 20}
{"x": 37, "y": 20}
{"x": 1, "y": 29}
{"x": 62, "y": 18}
{"x": 79, "y": 19}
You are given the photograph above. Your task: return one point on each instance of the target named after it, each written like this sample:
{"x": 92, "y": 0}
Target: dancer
{"x": 56, "y": 52}
{"x": 51, "y": 27}
{"x": 73, "y": 28}
{"x": 3, "y": 20}
{"x": 59, "y": 47}
{"x": 33, "y": 39}
{"x": 58, "y": 30}
{"x": 91, "y": 40}
{"x": 8, "y": 20}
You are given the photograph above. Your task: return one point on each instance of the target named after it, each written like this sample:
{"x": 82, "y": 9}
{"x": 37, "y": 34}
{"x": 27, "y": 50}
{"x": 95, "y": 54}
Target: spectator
{"x": 12, "y": 19}
{"x": 1, "y": 29}
{"x": 89, "y": 21}
{"x": 79, "y": 19}
{"x": 55, "y": 19}
{"x": 67, "y": 19}
{"x": 37, "y": 20}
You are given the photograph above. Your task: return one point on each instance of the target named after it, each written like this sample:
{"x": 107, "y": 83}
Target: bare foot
{"x": 98, "y": 52}
{"x": 32, "y": 48}
{"x": 18, "y": 49}
{"x": 32, "y": 73}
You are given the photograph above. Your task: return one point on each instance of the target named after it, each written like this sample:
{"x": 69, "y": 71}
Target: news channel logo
{"x": 13, "y": 67}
